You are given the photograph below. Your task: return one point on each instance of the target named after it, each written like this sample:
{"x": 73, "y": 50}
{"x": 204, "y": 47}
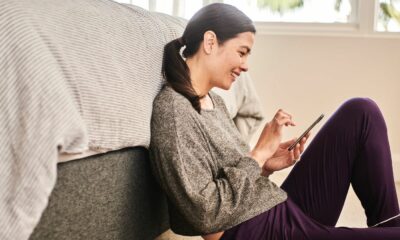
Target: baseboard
{"x": 396, "y": 167}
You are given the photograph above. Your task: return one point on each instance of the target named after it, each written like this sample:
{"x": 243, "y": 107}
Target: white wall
{"x": 309, "y": 75}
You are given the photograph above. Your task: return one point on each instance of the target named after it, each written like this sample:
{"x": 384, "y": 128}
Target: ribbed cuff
{"x": 250, "y": 166}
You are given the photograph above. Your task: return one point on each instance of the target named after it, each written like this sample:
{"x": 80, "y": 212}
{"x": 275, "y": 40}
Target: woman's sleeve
{"x": 184, "y": 166}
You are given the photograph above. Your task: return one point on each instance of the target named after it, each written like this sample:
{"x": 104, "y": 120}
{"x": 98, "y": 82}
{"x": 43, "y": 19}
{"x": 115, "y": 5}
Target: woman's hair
{"x": 224, "y": 20}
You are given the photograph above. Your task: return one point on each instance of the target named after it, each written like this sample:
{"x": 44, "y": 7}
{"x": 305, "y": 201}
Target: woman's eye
{"x": 241, "y": 54}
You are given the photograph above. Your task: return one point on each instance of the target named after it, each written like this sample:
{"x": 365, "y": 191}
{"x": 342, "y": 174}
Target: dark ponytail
{"x": 176, "y": 72}
{"x": 224, "y": 20}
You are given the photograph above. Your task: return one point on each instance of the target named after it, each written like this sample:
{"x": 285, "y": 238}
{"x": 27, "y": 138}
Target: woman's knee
{"x": 361, "y": 106}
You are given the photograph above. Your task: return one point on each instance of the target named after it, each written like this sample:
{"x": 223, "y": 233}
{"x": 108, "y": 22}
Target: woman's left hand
{"x": 283, "y": 158}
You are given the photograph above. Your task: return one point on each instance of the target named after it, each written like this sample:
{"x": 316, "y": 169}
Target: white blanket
{"x": 73, "y": 75}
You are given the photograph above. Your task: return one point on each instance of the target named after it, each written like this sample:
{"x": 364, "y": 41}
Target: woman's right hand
{"x": 271, "y": 137}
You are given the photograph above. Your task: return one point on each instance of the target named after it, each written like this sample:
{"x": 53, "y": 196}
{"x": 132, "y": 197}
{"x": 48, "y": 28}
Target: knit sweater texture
{"x": 203, "y": 165}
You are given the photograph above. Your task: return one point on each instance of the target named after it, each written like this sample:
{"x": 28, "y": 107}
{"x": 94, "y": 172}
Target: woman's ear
{"x": 209, "y": 42}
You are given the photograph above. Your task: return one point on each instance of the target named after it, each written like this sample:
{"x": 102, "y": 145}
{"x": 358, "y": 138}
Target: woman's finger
{"x": 284, "y": 120}
{"x": 282, "y": 112}
{"x": 288, "y": 143}
{"x": 308, "y": 135}
{"x": 297, "y": 152}
{"x": 283, "y": 117}
{"x": 291, "y": 158}
{"x": 302, "y": 144}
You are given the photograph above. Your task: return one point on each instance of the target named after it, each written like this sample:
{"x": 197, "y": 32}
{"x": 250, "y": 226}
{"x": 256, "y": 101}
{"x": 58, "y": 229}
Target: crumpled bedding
{"x": 74, "y": 75}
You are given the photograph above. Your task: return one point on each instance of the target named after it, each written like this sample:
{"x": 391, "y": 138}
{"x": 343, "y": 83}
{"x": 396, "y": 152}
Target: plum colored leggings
{"x": 351, "y": 148}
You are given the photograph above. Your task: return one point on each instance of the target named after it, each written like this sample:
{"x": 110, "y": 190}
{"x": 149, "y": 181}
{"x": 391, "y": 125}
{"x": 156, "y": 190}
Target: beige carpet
{"x": 352, "y": 214}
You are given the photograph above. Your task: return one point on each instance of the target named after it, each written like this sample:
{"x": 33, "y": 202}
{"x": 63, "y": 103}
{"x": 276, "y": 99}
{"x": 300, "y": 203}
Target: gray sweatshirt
{"x": 202, "y": 164}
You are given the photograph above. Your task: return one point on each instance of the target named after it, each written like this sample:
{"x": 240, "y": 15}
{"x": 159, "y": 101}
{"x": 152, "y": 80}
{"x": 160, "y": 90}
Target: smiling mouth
{"x": 235, "y": 75}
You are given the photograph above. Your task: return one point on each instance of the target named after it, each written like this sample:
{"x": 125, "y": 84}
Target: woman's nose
{"x": 244, "y": 66}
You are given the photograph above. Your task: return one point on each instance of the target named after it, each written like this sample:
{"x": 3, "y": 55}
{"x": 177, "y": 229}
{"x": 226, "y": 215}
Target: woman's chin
{"x": 229, "y": 83}
{"x": 227, "y": 86}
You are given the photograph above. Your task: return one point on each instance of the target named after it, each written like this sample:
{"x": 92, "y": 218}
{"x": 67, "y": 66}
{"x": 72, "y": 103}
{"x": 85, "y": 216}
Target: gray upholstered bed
{"x": 107, "y": 196}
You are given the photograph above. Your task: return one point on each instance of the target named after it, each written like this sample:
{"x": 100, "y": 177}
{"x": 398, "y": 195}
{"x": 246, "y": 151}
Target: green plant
{"x": 280, "y": 6}
{"x": 390, "y": 11}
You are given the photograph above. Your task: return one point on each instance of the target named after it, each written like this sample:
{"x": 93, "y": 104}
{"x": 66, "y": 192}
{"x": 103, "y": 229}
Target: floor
{"x": 352, "y": 214}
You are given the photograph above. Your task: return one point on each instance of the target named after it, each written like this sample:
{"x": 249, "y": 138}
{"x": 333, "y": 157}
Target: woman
{"x": 218, "y": 188}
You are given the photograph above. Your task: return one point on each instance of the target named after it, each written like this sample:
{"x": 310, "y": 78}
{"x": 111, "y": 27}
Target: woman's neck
{"x": 199, "y": 78}
{"x": 206, "y": 103}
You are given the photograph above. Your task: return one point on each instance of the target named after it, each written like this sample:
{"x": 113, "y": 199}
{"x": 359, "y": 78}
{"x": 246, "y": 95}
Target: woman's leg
{"x": 287, "y": 221}
{"x": 352, "y": 147}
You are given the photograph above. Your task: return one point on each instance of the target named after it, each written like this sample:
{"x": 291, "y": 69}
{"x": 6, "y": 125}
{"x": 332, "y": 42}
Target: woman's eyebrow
{"x": 247, "y": 48}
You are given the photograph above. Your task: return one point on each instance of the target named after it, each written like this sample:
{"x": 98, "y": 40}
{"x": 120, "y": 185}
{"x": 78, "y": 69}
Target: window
{"x": 327, "y": 11}
{"x": 388, "y": 17}
{"x": 350, "y": 17}
{"x": 303, "y": 11}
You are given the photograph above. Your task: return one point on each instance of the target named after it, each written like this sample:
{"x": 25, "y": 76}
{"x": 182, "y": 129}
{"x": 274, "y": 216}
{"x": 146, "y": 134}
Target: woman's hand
{"x": 271, "y": 137}
{"x": 284, "y": 158}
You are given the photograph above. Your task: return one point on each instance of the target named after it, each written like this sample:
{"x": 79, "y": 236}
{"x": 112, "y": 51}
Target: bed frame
{"x": 107, "y": 196}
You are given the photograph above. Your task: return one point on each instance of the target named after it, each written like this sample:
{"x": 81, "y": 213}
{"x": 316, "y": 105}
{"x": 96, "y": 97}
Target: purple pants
{"x": 351, "y": 148}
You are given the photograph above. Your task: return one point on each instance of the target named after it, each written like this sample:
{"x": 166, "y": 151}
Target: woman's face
{"x": 230, "y": 59}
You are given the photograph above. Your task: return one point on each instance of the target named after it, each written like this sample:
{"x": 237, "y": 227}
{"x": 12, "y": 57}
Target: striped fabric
{"x": 74, "y": 75}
